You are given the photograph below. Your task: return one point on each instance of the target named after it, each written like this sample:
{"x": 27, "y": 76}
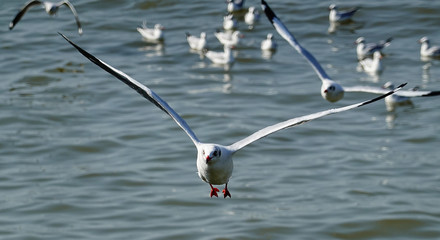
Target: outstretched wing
{"x": 403, "y": 93}
{"x": 300, "y": 120}
{"x": 141, "y": 89}
{"x": 22, "y": 12}
{"x": 72, "y": 8}
{"x": 284, "y": 32}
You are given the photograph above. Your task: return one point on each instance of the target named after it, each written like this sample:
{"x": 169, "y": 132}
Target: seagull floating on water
{"x": 373, "y": 66}
{"x": 235, "y": 5}
{"x": 229, "y": 22}
{"x": 426, "y": 50}
{"x": 340, "y": 16}
{"x": 252, "y": 16}
{"x": 154, "y": 34}
{"x": 269, "y": 44}
{"x": 330, "y": 90}
{"x": 214, "y": 161}
{"x": 364, "y": 49}
{"x": 197, "y": 43}
{"x": 223, "y": 58}
{"x": 51, "y": 9}
{"x": 227, "y": 38}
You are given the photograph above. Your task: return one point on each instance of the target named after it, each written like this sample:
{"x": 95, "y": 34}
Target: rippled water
{"x": 85, "y": 157}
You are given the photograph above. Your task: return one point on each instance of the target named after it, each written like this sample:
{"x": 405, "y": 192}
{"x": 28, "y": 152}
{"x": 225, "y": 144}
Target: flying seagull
{"x": 330, "y": 90}
{"x": 51, "y": 9}
{"x": 214, "y": 161}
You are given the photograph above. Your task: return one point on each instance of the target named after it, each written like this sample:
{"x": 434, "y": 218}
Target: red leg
{"x": 213, "y": 191}
{"x": 225, "y": 191}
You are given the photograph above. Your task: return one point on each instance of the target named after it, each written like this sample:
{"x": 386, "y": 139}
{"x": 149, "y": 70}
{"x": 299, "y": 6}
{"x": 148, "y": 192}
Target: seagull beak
{"x": 208, "y": 158}
{"x": 325, "y": 91}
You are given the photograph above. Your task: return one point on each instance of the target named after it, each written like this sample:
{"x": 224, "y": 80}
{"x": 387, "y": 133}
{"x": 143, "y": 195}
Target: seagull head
{"x": 332, "y": 7}
{"x": 332, "y": 91}
{"x": 360, "y": 40}
{"x": 424, "y": 40}
{"x": 210, "y": 153}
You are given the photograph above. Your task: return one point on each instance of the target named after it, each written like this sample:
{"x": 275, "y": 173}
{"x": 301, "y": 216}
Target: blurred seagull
{"x": 373, "y": 65}
{"x": 330, "y": 90}
{"x": 50, "y": 7}
{"x": 426, "y": 50}
{"x": 340, "y": 16}
{"x": 229, "y": 22}
{"x": 224, "y": 57}
{"x": 364, "y": 49}
{"x": 235, "y": 5}
{"x": 227, "y": 38}
{"x": 151, "y": 34}
{"x": 252, "y": 16}
{"x": 197, "y": 43}
{"x": 214, "y": 161}
{"x": 269, "y": 44}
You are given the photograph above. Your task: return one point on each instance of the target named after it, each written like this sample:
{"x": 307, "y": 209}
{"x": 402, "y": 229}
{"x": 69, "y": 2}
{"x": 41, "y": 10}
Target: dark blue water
{"x": 82, "y": 156}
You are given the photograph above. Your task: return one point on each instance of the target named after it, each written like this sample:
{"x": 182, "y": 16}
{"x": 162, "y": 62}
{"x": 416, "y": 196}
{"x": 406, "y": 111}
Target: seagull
{"x": 235, "y": 5}
{"x": 51, "y": 9}
{"x": 151, "y": 34}
{"x": 364, "y": 50}
{"x": 227, "y": 38}
{"x": 224, "y": 57}
{"x": 197, "y": 43}
{"x": 330, "y": 90}
{"x": 229, "y": 22}
{"x": 269, "y": 44}
{"x": 252, "y": 16}
{"x": 426, "y": 50}
{"x": 400, "y": 98}
{"x": 340, "y": 16}
{"x": 373, "y": 66}
{"x": 214, "y": 161}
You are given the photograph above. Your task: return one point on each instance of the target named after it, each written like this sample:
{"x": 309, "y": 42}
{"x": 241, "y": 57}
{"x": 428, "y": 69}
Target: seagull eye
{"x": 332, "y": 88}
{"x": 215, "y": 154}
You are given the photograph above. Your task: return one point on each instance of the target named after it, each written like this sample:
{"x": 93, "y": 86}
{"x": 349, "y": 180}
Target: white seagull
{"x": 426, "y": 50}
{"x": 330, "y": 90}
{"x": 373, "y": 66}
{"x": 223, "y": 58}
{"x": 364, "y": 49}
{"x": 269, "y": 44}
{"x": 235, "y": 5}
{"x": 229, "y": 22}
{"x": 151, "y": 34}
{"x": 340, "y": 16}
{"x": 214, "y": 161}
{"x": 51, "y": 9}
{"x": 227, "y": 38}
{"x": 400, "y": 98}
{"x": 252, "y": 16}
{"x": 197, "y": 43}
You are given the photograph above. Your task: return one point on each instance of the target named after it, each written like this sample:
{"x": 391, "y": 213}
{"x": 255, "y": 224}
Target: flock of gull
{"x": 214, "y": 161}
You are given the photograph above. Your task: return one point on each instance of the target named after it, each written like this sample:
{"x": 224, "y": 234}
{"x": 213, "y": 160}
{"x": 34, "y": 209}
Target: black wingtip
{"x": 385, "y": 95}
{"x": 269, "y": 13}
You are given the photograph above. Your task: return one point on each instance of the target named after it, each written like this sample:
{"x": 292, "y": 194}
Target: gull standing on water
{"x": 269, "y": 44}
{"x": 364, "y": 49}
{"x": 235, "y": 5}
{"x": 197, "y": 43}
{"x": 154, "y": 34}
{"x": 214, "y": 161}
{"x": 51, "y": 9}
{"x": 226, "y": 38}
{"x": 373, "y": 66}
{"x": 340, "y": 16}
{"x": 426, "y": 50}
{"x": 330, "y": 90}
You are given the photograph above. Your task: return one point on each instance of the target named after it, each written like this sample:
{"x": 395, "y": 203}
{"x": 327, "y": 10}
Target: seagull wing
{"x": 22, "y": 12}
{"x": 141, "y": 89}
{"x": 402, "y": 93}
{"x": 300, "y": 120}
{"x": 284, "y": 32}
{"x": 72, "y": 8}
